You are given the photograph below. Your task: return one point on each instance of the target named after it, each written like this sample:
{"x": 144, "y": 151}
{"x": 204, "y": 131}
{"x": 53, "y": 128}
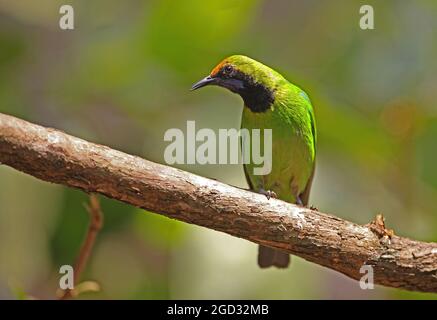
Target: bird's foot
{"x": 299, "y": 201}
{"x": 268, "y": 193}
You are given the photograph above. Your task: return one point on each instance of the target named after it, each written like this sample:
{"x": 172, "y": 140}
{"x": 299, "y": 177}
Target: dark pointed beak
{"x": 204, "y": 82}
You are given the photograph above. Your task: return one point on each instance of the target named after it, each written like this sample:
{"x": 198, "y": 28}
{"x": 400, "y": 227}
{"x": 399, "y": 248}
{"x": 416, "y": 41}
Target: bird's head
{"x": 253, "y": 81}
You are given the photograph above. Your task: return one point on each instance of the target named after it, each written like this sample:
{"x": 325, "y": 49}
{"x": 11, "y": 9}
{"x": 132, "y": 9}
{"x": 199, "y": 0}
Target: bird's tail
{"x": 268, "y": 257}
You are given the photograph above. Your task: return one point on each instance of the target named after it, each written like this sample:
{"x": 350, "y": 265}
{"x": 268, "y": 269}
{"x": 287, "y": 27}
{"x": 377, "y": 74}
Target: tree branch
{"x": 54, "y": 156}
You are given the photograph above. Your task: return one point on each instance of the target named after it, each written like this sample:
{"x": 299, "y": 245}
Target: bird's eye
{"x": 228, "y": 69}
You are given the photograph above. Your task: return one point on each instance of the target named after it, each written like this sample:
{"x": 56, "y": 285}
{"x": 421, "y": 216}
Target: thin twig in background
{"x": 96, "y": 223}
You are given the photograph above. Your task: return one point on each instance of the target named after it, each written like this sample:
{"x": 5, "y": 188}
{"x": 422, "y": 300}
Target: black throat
{"x": 257, "y": 97}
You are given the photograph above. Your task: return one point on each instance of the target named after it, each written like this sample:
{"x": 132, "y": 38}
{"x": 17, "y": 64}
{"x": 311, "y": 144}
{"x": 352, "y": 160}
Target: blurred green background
{"x": 122, "y": 78}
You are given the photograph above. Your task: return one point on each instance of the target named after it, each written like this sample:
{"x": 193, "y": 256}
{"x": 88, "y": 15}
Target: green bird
{"x": 272, "y": 102}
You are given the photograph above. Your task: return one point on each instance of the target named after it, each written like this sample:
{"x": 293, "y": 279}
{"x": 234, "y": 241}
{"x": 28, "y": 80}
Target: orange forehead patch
{"x": 218, "y": 67}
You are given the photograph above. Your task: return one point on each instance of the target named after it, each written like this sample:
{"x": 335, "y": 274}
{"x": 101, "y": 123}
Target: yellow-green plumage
{"x": 272, "y": 102}
{"x": 293, "y": 152}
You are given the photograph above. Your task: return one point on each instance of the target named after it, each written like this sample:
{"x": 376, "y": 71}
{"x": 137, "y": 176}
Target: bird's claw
{"x": 268, "y": 193}
{"x": 299, "y": 202}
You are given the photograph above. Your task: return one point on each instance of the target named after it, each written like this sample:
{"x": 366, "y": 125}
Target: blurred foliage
{"x": 121, "y": 78}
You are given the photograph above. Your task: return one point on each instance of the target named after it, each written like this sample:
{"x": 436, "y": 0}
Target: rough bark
{"x": 54, "y": 156}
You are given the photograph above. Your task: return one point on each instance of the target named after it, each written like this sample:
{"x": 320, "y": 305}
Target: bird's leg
{"x": 299, "y": 201}
{"x": 268, "y": 193}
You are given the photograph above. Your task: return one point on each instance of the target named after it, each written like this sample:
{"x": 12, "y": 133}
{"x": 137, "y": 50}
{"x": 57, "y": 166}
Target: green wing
{"x": 305, "y": 195}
